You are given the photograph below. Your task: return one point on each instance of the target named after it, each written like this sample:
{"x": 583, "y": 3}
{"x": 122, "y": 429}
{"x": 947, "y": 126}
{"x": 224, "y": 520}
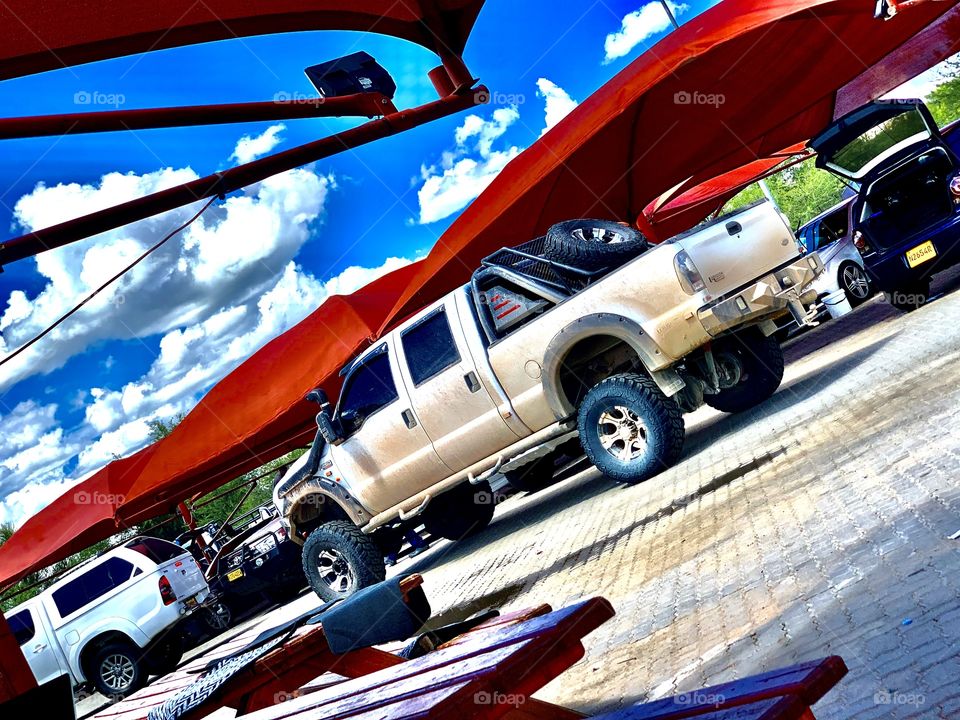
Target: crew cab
{"x": 112, "y": 621}
{"x": 587, "y": 333}
{"x": 906, "y": 215}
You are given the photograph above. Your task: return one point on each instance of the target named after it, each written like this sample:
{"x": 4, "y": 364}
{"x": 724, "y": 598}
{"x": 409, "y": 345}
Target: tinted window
{"x": 369, "y": 388}
{"x": 91, "y": 584}
{"x": 21, "y": 624}
{"x": 429, "y": 347}
{"x": 157, "y": 550}
{"x": 806, "y": 237}
{"x": 832, "y": 228}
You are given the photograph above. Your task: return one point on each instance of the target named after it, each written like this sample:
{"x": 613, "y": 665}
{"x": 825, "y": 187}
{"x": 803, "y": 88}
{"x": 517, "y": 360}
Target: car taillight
{"x": 860, "y": 242}
{"x": 282, "y": 533}
{"x": 166, "y": 591}
{"x": 687, "y": 273}
{"x": 955, "y": 187}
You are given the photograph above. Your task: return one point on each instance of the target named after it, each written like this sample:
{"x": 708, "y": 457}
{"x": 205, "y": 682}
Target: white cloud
{"x": 251, "y": 147}
{"x": 230, "y": 256}
{"x": 558, "y": 102}
{"x": 649, "y": 20}
{"x": 458, "y": 179}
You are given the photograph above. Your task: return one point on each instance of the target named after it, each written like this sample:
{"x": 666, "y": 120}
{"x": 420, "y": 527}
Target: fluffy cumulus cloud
{"x": 464, "y": 171}
{"x": 638, "y": 26}
{"x": 213, "y": 295}
{"x": 251, "y": 147}
{"x": 558, "y": 102}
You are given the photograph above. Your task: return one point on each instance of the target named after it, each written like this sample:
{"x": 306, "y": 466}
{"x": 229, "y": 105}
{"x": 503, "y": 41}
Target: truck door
{"x": 35, "y": 644}
{"x": 386, "y": 456}
{"x": 457, "y": 412}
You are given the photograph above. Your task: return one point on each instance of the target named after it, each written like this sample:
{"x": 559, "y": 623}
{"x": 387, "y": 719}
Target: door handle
{"x": 473, "y": 383}
{"x": 409, "y": 419}
{"x": 39, "y": 648}
{"x": 734, "y": 228}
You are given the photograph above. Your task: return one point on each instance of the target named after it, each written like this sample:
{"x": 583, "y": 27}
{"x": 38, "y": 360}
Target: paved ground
{"x": 817, "y": 524}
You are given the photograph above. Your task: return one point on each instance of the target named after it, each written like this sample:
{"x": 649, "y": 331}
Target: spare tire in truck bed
{"x": 592, "y": 244}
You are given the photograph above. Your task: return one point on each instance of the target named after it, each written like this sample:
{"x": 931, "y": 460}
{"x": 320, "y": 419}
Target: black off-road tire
{"x": 909, "y": 297}
{"x": 593, "y": 244}
{"x": 636, "y": 403}
{"x": 338, "y": 560}
{"x": 461, "y": 512}
{"x": 101, "y": 669}
{"x": 533, "y": 476}
{"x": 217, "y": 617}
{"x": 761, "y": 360}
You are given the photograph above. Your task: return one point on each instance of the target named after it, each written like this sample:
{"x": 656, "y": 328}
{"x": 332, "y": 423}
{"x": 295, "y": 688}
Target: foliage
{"x": 944, "y": 100}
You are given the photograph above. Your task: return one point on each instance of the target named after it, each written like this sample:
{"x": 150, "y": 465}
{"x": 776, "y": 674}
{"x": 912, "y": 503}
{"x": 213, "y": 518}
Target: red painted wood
{"x": 16, "y": 677}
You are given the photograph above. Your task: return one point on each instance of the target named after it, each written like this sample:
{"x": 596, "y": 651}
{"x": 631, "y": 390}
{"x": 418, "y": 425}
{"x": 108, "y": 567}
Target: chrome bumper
{"x": 785, "y": 290}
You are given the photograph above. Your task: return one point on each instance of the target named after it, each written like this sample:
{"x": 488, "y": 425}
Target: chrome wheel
{"x": 334, "y": 570}
{"x": 118, "y": 672}
{"x": 218, "y": 616}
{"x": 622, "y": 433}
{"x": 604, "y": 236}
{"x": 855, "y": 282}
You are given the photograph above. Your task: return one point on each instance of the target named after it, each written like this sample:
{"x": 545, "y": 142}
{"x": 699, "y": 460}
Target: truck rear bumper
{"x": 786, "y": 289}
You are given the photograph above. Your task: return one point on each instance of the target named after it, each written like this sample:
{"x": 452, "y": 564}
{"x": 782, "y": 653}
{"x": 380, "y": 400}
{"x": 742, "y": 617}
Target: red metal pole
{"x": 283, "y": 108}
{"x": 233, "y": 179}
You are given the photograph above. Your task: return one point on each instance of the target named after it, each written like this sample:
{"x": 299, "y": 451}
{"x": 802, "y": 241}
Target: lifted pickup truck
{"x": 589, "y": 333}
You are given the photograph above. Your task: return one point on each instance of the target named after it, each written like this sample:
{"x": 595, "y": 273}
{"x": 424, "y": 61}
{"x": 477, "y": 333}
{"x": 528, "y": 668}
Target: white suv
{"x": 112, "y": 621}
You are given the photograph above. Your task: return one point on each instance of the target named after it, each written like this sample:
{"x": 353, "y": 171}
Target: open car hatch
{"x": 866, "y": 138}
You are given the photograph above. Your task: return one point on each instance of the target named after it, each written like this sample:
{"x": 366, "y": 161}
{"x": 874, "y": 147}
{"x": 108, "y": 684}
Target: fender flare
{"x": 317, "y": 491}
{"x": 108, "y": 626}
{"x": 610, "y": 324}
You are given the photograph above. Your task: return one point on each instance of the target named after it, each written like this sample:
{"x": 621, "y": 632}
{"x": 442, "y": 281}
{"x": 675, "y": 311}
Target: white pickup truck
{"x": 112, "y": 621}
{"x": 589, "y": 334}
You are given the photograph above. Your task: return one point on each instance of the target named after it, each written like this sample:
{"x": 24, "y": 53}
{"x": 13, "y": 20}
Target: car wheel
{"x": 629, "y": 429}
{"x": 752, "y": 366}
{"x": 218, "y": 617}
{"x": 461, "y": 512}
{"x": 909, "y": 297}
{"x": 339, "y": 559}
{"x": 116, "y": 670}
{"x": 855, "y": 284}
{"x": 533, "y": 476}
{"x": 593, "y": 244}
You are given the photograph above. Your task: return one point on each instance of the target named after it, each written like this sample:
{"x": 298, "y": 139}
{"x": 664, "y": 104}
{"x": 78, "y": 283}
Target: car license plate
{"x": 920, "y": 254}
{"x": 190, "y": 602}
{"x": 235, "y": 574}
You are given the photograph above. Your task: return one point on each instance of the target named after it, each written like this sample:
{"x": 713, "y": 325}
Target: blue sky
{"x": 258, "y": 263}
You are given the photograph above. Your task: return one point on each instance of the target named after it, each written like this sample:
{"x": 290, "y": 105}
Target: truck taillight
{"x": 166, "y": 591}
{"x": 687, "y": 273}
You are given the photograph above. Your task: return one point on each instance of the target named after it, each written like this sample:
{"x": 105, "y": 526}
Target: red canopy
{"x": 43, "y": 35}
{"x": 758, "y": 77}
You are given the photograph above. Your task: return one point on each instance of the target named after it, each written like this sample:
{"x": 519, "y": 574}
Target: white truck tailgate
{"x": 739, "y": 247}
{"x": 184, "y": 576}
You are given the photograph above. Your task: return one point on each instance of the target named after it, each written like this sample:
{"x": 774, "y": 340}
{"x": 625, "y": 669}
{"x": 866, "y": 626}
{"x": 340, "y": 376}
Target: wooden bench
{"x": 302, "y": 658}
{"x": 491, "y": 672}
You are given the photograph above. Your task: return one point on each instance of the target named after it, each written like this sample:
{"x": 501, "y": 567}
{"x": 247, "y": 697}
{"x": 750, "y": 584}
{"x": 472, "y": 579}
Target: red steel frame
{"x": 452, "y": 80}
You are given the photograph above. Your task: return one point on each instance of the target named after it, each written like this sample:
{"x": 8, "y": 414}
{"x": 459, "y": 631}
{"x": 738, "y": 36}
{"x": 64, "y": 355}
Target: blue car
{"x": 906, "y": 213}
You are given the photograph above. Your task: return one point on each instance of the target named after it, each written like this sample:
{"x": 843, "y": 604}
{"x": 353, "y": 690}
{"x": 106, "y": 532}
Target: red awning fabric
{"x": 777, "y": 66}
{"x": 734, "y": 85}
{"x": 39, "y": 35}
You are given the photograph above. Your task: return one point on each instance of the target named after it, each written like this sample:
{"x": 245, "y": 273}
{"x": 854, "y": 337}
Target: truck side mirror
{"x": 329, "y": 430}
{"x": 318, "y": 396}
